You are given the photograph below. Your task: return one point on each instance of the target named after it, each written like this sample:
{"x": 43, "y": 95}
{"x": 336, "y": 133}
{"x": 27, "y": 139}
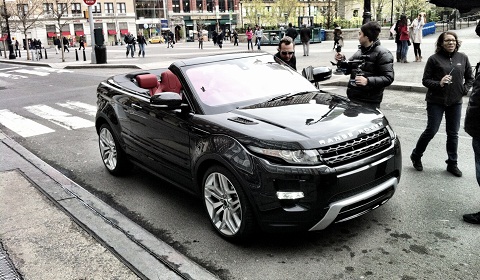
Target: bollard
{"x": 76, "y": 54}
{"x": 46, "y": 53}
{"x": 84, "y": 57}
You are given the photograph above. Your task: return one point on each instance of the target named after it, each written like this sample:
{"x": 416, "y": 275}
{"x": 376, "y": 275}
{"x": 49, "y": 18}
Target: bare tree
{"x": 59, "y": 11}
{"x": 26, "y": 14}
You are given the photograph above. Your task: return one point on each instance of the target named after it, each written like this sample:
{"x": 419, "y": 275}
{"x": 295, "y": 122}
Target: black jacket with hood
{"x": 439, "y": 65}
{"x": 377, "y": 68}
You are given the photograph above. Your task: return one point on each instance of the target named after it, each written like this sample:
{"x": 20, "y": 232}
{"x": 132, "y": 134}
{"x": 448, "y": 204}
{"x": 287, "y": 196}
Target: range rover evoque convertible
{"x": 258, "y": 143}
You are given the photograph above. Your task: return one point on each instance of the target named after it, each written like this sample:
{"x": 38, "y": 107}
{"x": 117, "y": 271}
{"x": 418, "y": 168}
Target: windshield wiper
{"x": 288, "y": 95}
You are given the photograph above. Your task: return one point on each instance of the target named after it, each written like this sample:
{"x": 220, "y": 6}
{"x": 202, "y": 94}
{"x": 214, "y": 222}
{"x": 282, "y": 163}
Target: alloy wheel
{"x": 108, "y": 149}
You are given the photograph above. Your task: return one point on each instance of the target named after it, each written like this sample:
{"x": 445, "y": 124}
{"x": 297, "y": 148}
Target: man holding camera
{"x": 370, "y": 68}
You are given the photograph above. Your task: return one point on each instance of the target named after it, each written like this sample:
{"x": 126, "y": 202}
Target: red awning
{"x": 4, "y": 37}
{"x": 79, "y": 33}
{"x": 112, "y": 32}
{"x": 51, "y": 34}
{"x": 123, "y": 31}
{"x": 66, "y": 33}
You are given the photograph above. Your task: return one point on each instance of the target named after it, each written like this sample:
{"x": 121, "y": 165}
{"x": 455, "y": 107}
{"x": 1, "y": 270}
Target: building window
{"x": 186, "y": 6}
{"x": 231, "y": 6}
{"x": 221, "y": 5}
{"x": 62, "y": 9}
{"x": 209, "y": 6}
{"x": 109, "y": 8}
{"x": 121, "y": 8}
{"x": 76, "y": 9}
{"x": 22, "y": 10}
{"x": 176, "y": 6}
{"x": 48, "y": 8}
{"x": 355, "y": 13}
{"x": 149, "y": 8}
{"x": 199, "y": 5}
{"x": 97, "y": 9}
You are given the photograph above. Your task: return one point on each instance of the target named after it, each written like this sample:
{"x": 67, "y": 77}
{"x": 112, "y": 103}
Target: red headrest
{"x": 147, "y": 81}
{"x": 170, "y": 82}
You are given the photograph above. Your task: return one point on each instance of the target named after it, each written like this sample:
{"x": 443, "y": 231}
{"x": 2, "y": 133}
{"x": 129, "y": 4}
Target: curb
{"x": 142, "y": 252}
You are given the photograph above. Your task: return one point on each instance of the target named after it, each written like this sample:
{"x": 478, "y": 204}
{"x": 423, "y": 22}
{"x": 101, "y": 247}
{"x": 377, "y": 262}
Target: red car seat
{"x": 148, "y": 81}
{"x": 169, "y": 82}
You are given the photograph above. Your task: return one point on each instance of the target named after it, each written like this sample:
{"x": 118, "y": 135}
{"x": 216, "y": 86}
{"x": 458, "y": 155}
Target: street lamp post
{"x": 367, "y": 15}
{"x": 286, "y": 18}
{"x": 9, "y": 38}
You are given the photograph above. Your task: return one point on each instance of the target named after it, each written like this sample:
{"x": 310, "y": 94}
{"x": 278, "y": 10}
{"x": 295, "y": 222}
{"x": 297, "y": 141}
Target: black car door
{"x": 161, "y": 140}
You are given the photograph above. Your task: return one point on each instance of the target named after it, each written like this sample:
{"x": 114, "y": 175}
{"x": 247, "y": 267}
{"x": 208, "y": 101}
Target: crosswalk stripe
{"x": 12, "y": 76}
{"x": 58, "y": 117}
{"x": 22, "y": 126}
{"x": 31, "y": 72}
{"x": 80, "y": 107}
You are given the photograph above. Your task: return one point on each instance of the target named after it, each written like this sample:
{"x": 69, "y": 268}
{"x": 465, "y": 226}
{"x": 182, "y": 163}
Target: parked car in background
{"x": 256, "y": 141}
{"x": 156, "y": 40}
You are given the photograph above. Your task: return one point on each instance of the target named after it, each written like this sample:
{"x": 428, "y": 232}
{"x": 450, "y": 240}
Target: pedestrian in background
{"x": 55, "y": 44}
{"x": 305, "y": 36}
{"x": 235, "y": 37}
{"x": 396, "y": 32}
{"x": 82, "y": 43}
{"x": 370, "y": 79}
{"x": 417, "y": 29}
{"x": 337, "y": 36}
{"x": 142, "y": 42}
{"x": 472, "y": 127}
{"x": 448, "y": 76}
{"x": 291, "y": 32}
{"x": 65, "y": 44}
{"x": 200, "y": 39}
{"x": 220, "y": 38}
{"x": 258, "y": 37}
{"x": 404, "y": 38}
{"x": 249, "y": 35}
{"x": 129, "y": 44}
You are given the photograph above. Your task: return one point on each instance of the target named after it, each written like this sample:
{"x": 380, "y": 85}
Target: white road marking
{"x": 53, "y": 70}
{"x": 58, "y": 117}
{"x": 80, "y": 107}
{"x": 22, "y": 126}
{"x": 31, "y": 72}
{"x": 12, "y": 76}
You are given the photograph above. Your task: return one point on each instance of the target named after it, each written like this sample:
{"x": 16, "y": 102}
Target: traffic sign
{"x": 90, "y": 2}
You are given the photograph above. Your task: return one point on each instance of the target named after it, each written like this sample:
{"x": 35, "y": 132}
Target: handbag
{"x": 409, "y": 43}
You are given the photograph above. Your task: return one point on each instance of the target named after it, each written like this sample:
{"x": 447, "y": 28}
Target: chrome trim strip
{"x": 365, "y": 167}
{"x": 335, "y": 207}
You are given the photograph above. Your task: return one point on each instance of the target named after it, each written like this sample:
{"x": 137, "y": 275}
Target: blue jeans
{"x": 130, "y": 48}
{"x": 141, "y": 49}
{"x": 404, "y": 50}
{"x": 476, "y": 150}
{"x": 452, "y": 121}
{"x": 259, "y": 42}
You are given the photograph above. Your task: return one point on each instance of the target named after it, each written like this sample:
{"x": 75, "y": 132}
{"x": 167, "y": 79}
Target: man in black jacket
{"x": 291, "y": 32}
{"x": 472, "y": 127}
{"x": 375, "y": 73}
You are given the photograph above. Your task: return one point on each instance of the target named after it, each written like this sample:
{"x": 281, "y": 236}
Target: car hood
{"x": 309, "y": 125}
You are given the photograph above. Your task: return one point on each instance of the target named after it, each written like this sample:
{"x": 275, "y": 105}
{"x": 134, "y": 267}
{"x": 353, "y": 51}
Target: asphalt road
{"x": 418, "y": 234}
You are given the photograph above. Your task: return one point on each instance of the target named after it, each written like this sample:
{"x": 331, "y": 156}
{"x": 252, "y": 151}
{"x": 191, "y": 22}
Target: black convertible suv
{"x": 254, "y": 139}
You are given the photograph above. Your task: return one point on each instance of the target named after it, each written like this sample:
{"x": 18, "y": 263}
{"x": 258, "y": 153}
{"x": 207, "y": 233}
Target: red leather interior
{"x": 169, "y": 82}
{"x": 148, "y": 81}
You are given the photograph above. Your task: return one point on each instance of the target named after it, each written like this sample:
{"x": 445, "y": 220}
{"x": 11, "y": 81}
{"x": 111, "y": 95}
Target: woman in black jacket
{"x": 448, "y": 77}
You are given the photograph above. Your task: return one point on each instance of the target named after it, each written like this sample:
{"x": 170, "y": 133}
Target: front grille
{"x": 356, "y": 149}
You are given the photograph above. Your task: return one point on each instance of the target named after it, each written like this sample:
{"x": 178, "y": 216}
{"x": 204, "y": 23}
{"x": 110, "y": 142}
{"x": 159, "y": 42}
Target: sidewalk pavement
{"x": 51, "y": 228}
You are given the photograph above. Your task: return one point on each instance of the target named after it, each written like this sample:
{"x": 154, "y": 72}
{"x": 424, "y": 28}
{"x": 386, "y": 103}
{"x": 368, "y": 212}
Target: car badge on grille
{"x": 345, "y": 136}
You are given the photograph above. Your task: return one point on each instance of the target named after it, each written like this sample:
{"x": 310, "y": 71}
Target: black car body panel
{"x": 359, "y": 154}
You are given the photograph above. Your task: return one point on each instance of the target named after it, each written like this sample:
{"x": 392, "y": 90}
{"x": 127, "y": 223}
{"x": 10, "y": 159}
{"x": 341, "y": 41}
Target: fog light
{"x": 290, "y": 195}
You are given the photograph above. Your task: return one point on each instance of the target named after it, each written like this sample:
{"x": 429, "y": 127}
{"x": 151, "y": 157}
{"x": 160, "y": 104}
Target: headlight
{"x": 298, "y": 157}
{"x": 392, "y": 133}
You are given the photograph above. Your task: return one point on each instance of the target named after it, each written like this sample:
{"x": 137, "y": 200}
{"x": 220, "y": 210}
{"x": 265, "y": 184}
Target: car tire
{"x": 113, "y": 156}
{"x": 227, "y": 205}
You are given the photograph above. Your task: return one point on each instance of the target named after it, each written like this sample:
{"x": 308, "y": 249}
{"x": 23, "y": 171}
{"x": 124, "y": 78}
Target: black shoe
{"x": 472, "y": 218}
{"x": 417, "y": 163}
{"x": 453, "y": 168}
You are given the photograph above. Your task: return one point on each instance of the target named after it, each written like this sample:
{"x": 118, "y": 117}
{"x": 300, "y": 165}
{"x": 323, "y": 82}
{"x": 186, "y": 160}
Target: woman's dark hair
{"x": 439, "y": 43}
{"x": 403, "y": 20}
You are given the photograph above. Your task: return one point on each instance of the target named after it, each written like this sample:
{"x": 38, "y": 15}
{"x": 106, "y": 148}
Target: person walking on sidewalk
{"x": 235, "y": 37}
{"x": 291, "y": 32}
{"x": 249, "y": 35}
{"x": 472, "y": 127}
{"x": 65, "y": 44}
{"x": 258, "y": 37}
{"x": 404, "y": 38}
{"x": 370, "y": 79}
{"x": 129, "y": 42}
{"x": 417, "y": 27}
{"x": 142, "y": 42}
{"x": 82, "y": 43}
{"x": 448, "y": 76}
{"x": 305, "y": 36}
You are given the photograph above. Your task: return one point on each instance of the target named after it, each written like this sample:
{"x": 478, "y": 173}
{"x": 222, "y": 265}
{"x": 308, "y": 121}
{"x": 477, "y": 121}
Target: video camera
{"x": 346, "y": 66}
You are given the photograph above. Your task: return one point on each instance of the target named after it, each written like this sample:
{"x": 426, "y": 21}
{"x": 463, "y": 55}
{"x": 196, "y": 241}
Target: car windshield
{"x": 245, "y": 81}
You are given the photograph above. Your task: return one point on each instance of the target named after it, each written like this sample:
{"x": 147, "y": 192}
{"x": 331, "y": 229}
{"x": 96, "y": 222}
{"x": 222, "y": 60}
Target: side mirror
{"x": 317, "y": 74}
{"x": 167, "y": 100}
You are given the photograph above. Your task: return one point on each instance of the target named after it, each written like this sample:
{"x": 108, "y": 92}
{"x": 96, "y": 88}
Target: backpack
{"x": 477, "y": 30}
